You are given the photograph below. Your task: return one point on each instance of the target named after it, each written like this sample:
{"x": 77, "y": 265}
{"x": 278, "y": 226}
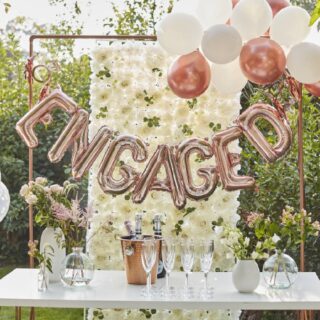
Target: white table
{"x": 110, "y": 290}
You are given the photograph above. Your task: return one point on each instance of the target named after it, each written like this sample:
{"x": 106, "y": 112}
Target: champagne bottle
{"x": 158, "y": 233}
{"x": 128, "y": 226}
{"x": 138, "y": 227}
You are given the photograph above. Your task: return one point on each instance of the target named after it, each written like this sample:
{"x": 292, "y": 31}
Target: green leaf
{"x": 315, "y": 15}
{"x": 7, "y": 7}
{"x": 77, "y": 8}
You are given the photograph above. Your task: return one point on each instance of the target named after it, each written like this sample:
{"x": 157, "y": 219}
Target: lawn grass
{"x": 8, "y": 313}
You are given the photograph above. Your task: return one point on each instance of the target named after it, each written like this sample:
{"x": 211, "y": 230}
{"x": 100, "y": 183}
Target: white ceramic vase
{"x": 246, "y": 276}
{"x": 49, "y": 236}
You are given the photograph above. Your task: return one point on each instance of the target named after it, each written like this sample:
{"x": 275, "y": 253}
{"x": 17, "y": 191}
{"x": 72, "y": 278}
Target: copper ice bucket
{"x": 131, "y": 251}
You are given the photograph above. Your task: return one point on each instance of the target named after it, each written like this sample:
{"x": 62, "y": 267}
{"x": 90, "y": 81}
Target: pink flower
{"x": 253, "y": 217}
{"x": 60, "y": 211}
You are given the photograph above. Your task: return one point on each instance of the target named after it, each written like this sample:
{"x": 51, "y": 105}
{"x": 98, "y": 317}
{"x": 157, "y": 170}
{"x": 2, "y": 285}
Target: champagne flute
{"x": 206, "y": 250}
{"x": 148, "y": 258}
{"x": 187, "y": 260}
{"x": 168, "y": 258}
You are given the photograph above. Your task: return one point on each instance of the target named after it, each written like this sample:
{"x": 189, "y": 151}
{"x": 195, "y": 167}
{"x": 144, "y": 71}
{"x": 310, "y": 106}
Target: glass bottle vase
{"x": 43, "y": 278}
{"x": 77, "y": 269}
{"x": 280, "y": 271}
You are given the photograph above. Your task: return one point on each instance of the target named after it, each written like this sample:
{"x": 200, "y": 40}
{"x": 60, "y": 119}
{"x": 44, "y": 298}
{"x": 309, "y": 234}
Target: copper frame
{"x": 303, "y": 314}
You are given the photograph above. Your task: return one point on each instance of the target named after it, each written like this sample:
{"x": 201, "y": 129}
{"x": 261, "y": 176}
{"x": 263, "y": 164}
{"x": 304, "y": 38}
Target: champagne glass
{"x": 187, "y": 260}
{"x": 168, "y": 258}
{"x": 148, "y": 258}
{"x": 206, "y": 250}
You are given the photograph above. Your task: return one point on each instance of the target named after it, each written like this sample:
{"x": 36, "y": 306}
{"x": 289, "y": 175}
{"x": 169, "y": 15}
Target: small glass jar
{"x": 77, "y": 269}
{"x": 280, "y": 271}
{"x": 43, "y": 278}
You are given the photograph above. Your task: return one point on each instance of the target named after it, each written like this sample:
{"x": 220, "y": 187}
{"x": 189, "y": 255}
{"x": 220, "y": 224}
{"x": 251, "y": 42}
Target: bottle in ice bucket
{"x": 138, "y": 226}
{"x": 158, "y": 234}
{"x": 128, "y": 226}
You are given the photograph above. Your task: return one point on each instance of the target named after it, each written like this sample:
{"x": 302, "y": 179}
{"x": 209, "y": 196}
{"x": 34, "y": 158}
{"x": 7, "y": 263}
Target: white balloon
{"x": 221, "y": 43}
{"x": 303, "y": 62}
{"x": 212, "y": 12}
{"x": 4, "y": 200}
{"x": 186, "y": 6}
{"x": 179, "y": 33}
{"x": 290, "y": 26}
{"x": 228, "y": 78}
{"x": 252, "y": 18}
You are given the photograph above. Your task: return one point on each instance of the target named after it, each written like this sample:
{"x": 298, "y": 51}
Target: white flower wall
{"x": 129, "y": 94}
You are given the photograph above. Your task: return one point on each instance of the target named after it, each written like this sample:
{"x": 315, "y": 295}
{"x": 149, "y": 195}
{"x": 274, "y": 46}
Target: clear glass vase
{"x": 77, "y": 269}
{"x": 280, "y": 271}
{"x": 43, "y": 278}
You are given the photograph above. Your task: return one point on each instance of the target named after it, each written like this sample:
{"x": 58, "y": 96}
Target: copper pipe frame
{"x": 30, "y": 104}
{"x": 154, "y": 38}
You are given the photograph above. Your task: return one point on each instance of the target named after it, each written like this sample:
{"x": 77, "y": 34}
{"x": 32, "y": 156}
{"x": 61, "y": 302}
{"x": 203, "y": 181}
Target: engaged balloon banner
{"x": 174, "y": 158}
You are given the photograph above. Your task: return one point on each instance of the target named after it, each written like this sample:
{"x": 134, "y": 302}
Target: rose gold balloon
{"x": 247, "y": 120}
{"x": 277, "y": 5}
{"x": 314, "y": 88}
{"x": 189, "y": 75}
{"x": 25, "y": 126}
{"x": 128, "y": 174}
{"x": 209, "y": 175}
{"x": 262, "y": 61}
{"x": 84, "y": 158}
{"x": 234, "y": 3}
{"x": 163, "y": 156}
{"x": 227, "y": 161}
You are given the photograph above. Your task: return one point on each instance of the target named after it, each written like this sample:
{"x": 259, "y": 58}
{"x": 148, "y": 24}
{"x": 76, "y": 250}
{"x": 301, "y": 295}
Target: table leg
{"x": 32, "y": 315}
{"x": 18, "y": 313}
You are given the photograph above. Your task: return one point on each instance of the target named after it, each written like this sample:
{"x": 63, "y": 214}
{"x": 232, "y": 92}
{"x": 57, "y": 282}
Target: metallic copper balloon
{"x": 163, "y": 156}
{"x": 277, "y": 5}
{"x": 209, "y": 175}
{"x": 75, "y": 129}
{"x": 234, "y": 3}
{"x": 314, "y": 88}
{"x": 227, "y": 161}
{"x": 262, "y": 61}
{"x": 105, "y": 175}
{"x": 189, "y": 75}
{"x": 57, "y": 99}
{"x": 84, "y": 160}
{"x": 247, "y": 120}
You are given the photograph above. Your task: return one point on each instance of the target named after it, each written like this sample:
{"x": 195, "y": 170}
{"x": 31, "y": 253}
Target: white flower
{"x": 246, "y": 241}
{"x": 275, "y": 238}
{"x": 42, "y": 181}
{"x": 229, "y": 255}
{"x": 254, "y": 255}
{"x": 218, "y": 230}
{"x": 259, "y": 244}
{"x": 24, "y": 190}
{"x": 55, "y": 188}
{"x": 31, "y": 198}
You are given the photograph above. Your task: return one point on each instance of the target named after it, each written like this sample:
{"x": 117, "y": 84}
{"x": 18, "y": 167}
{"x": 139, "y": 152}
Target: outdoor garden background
{"x": 277, "y": 184}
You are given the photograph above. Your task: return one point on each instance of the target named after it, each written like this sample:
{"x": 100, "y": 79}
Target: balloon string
{"x": 293, "y": 86}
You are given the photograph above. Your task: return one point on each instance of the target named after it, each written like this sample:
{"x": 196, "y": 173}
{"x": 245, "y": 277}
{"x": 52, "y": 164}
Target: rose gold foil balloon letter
{"x": 105, "y": 176}
{"x": 209, "y": 175}
{"x": 90, "y": 153}
{"x": 163, "y": 156}
{"x": 25, "y": 126}
{"x": 247, "y": 120}
{"x": 227, "y": 161}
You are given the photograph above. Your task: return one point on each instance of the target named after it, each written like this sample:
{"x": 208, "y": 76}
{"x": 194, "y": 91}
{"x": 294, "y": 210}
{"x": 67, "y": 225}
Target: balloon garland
{"x": 245, "y": 39}
{"x": 174, "y": 158}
